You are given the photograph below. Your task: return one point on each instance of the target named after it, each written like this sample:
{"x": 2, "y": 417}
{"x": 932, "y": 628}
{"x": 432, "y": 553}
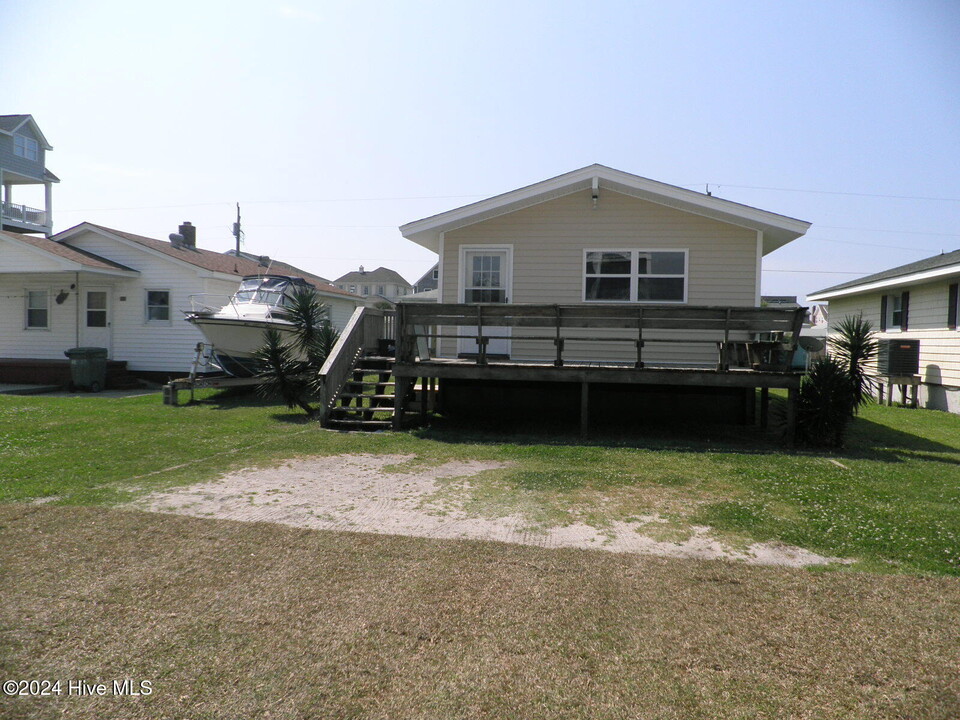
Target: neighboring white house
{"x": 599, "y": 235}
{"x": 95, "y": 286}
{"x": 918, "y": 300}
{"x": 375, "y": 285}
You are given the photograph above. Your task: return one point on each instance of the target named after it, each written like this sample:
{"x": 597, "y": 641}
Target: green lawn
{"x": 234, "y": 620}
{"x": 239, "y": 619}
{"x": 891, "y": 501}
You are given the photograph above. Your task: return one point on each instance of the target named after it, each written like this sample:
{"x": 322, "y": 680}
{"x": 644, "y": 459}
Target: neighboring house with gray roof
{"x": 23, "y": 151}
{"x": 917, "y": 300}
{"x": 97, "y": 286}
{"x": 375, "y": 285}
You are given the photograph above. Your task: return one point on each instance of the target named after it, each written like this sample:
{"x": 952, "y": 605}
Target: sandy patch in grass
{"x": 362, "y": 493}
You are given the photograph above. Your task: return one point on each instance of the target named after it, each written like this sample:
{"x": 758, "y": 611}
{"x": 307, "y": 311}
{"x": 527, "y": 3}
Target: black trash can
{"x": 88, "y": 368}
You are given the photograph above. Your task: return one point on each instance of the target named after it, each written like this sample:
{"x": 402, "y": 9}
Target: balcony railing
{"x": 24, "y": 215}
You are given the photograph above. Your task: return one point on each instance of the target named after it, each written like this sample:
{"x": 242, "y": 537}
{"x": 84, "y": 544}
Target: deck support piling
{"x": 764, "y": 407}
{"x": 584, "y": 409}
{"x": 401, "y": 390}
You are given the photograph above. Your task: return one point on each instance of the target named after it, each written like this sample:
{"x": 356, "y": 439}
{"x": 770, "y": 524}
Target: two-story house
{"x": 23, "y": 163}
{"x": 375, "y": 285}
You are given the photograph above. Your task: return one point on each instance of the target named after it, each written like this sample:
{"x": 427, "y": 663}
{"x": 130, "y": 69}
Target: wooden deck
{"x": 733, "y": 331}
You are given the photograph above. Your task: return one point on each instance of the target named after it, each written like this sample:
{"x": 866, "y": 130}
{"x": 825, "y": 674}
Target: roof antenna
{"x": 237, "y": 232}
{"x": 709, "y": 194}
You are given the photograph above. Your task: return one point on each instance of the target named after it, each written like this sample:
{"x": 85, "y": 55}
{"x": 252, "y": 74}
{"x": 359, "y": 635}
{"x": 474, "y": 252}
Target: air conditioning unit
{"x": 898, "y": 357}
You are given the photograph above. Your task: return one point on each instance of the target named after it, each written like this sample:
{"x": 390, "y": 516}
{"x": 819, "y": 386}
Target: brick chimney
{"x": 189, "y": 233}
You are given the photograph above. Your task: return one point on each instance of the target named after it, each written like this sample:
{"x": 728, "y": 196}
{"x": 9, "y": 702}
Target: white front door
{"x": 486, "y": 277}
{"x": 95, "y": 317}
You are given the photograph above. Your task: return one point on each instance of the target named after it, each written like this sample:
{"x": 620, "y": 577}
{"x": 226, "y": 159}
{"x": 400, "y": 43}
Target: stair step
{"x": 362, "y": 395}
{"x": 370, "y": 383}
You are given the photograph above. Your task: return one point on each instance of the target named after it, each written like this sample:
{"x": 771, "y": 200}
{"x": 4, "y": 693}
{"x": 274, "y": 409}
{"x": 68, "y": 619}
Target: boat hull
{"x": 235, "y": 341}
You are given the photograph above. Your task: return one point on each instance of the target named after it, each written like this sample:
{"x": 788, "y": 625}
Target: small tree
{"x": 855, "y": 345}
{"x": 291, "y": 369}
{"x": 825, "y": 402}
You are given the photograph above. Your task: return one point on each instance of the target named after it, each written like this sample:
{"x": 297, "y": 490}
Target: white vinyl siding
{"x": 549, "y": 241}
{"x": 939, "y": 345}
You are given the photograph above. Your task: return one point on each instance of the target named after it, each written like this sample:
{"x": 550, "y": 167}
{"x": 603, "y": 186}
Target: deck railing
{"x": 24, "y": 214}
{"x": 734, "y": 330}
{"x": 361, "y": 334}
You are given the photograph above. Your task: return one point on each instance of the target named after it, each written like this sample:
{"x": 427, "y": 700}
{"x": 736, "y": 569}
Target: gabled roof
{"x": 778, "y": 230}
{"x": 927, "y": 269}
{"x": 428, "y": 275}
{"x": 205, "y": 259}
{"x": 84, "y": 259}
{"x": 372, "y": 277}
{"x": 9, "y": 124}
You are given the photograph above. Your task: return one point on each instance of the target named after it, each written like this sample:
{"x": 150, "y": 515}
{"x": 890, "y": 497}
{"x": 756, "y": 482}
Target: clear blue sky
{"x": 333, "y": 123}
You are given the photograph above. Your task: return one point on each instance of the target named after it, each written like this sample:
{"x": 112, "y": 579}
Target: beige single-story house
{"x": 918, "y": 300}
{"x": 600, "y": 236}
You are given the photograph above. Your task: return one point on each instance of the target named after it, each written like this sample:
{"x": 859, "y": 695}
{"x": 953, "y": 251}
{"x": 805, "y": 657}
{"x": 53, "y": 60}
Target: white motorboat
{"x": 235, "y": 330}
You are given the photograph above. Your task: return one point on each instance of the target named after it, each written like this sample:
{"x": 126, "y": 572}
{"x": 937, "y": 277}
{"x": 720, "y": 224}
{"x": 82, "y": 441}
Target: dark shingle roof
{"x": 380, "y": 275}
{"x": 222, "y": 263}
{"x": 82, "y": 257}
{"x": 930, "y": 263}
{"x": 9, "y": 123}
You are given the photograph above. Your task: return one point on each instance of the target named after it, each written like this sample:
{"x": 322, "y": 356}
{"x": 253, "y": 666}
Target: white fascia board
{"x": 778, "y": 229}
{"x": 912, "y": 279}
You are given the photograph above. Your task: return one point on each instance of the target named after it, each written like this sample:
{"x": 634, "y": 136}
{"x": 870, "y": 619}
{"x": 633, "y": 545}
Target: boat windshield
{"x": 265, "y": 291}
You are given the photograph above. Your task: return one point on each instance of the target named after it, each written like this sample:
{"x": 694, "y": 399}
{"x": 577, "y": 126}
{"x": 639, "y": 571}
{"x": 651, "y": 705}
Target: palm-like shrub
{"x": 827, "y": 396}
{"x": 854, "y": 345}
{"x": 291, "y": 369}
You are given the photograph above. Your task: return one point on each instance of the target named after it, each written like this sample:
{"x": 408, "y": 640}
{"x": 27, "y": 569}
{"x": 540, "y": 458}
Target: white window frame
{"x": 28, "y": 149}
{"x": 146, "y": 306}
{"x": 27, "y": 308}
{"x": 893, "y": 326}
{"x": 635, "y": 275}
{"x": 380, "y": 290}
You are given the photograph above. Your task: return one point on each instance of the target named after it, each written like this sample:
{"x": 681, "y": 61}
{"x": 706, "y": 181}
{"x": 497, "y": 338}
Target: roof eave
{"x": 900, "y": 280}
{"x": 778, "y": 229}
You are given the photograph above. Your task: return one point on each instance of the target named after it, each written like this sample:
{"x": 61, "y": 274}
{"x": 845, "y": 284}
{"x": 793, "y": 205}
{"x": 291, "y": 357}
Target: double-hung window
{"x": 38, "y": 309}
{"x": 158, "y": 306}
{"x": 647, "y": 276}
{"x": 25, "y": 147}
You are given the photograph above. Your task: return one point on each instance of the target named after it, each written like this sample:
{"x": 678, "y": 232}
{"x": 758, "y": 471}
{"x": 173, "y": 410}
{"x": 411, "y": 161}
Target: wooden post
{"x": 916, "y": 391}
{"x": 792, "y": 394}
{"x": 400, "y": 401}
{"x": 558, "y": 341}
{"x": 889, "y": 394}
{"x": 639, "y": 364}
{"x": 584, "y": 409}
{"x": 423, "y": 401}
{"x": 764, "y": 407}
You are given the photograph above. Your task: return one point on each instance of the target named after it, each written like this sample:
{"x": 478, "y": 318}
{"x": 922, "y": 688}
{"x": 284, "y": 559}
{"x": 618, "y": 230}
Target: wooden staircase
{"x": 366, "y": 401}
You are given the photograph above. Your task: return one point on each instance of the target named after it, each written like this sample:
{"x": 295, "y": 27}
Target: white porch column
{"x": 48, "y": 207}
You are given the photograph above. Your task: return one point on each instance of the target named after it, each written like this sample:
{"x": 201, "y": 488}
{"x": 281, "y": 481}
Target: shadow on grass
{"x": 875, "y": 441}
{"x": 679, "y": 437}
